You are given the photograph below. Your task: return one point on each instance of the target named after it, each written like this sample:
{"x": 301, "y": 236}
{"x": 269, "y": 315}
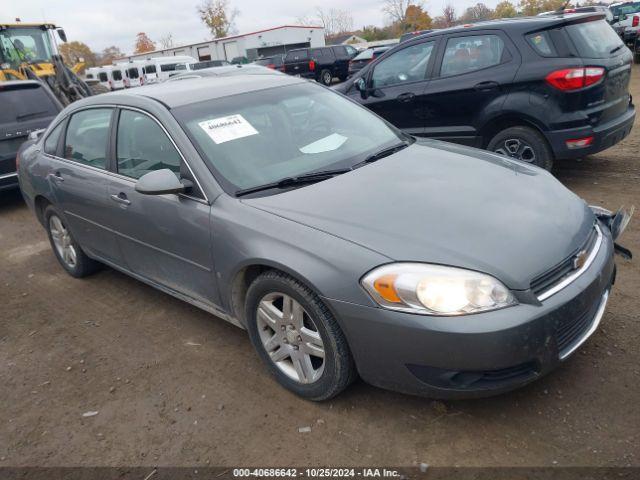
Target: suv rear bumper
{"x": 604, "y": 136}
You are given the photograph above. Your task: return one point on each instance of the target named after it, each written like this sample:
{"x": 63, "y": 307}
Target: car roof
{"x": 177, "y": 94}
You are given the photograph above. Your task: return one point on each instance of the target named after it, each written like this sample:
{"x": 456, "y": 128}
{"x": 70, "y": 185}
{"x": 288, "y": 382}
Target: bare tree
{"x": 166, "y": 41}
{"x": 449, "y": 15}
{"x": 477, "y": 13}
{"x": 334, "y": 21}
{"x": 396, "y": 10}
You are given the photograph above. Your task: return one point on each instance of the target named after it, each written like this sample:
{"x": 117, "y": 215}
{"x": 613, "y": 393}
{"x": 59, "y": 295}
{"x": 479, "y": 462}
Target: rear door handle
{"x": 121, "y": 198}
{"x": 57, "y": 177}
{"x": 406, "y": 97}
{"x": 486, "y": 86}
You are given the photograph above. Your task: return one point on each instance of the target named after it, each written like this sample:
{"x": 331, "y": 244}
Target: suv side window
{"x": 142, "y": 146}
{"x": 87, "y": 137}
{"x": 468, "y": 54}
{"x": 404, "y": 66}
{"x": 51, "y": 142}
{"x": 350, "y": 50}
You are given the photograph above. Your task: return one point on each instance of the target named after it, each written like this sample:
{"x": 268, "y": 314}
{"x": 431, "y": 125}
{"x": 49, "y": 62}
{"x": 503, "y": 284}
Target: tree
{"x": 110, "y": 54}
{"x": 218, "y": 16}
{"x": 143, "y": 44}
{"x": 396, "y": 10}
{"x": 447, "y": 19}
{"x": 72, "y": 52}
{"x": 334, "y": 21}
{"x": 166, "y": 41}
{"x": 417, "y": 19}
{"x": 477, "y": 13}
{"x": 534, "y": 7}
{"x": 505, "y": 9}
{"x": 372, "y": 33}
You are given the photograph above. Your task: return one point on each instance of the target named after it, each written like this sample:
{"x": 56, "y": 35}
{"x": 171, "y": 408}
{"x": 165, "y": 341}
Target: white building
{"x": 251, "y": 45}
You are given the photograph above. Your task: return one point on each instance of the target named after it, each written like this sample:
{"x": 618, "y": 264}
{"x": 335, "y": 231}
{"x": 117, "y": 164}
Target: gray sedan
{"x": 342, "y": 245}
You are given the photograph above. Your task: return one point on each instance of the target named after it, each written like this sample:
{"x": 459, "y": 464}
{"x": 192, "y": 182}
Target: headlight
{"x": 435, "y": 289}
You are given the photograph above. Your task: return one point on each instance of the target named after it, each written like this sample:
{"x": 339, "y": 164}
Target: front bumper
{"x": 604, "y": 136}
{"x": 482, "y": 354}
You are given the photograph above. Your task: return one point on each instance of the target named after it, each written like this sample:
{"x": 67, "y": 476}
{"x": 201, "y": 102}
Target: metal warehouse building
{"x": 251, "y": 45}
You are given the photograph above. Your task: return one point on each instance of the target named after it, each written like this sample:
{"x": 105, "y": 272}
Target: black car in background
{"x": 365, "y": 57}
{"x": 321, "y": 64}
{"x": 274, "y": 62}
{"x": 25, "y": 106}
{"x": 209, "y": 64}
{"x": 535, "y": 89}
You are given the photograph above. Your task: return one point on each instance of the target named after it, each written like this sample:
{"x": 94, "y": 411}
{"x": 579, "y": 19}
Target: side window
{"x": 51, "y": 142}
{"x": 87, "y": 137}
{"x": 142, "y": 146}
{"x": 468, "y": 54}
{"x": 407, "y": 65}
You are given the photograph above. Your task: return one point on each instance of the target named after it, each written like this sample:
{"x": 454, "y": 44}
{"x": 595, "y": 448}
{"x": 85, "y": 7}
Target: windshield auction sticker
{"x": 225, "y": 129}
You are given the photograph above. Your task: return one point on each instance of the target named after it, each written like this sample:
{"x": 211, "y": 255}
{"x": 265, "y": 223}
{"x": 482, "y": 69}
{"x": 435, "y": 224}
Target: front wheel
{"x": 297, "y": 337}
{"x": 524, "y": 144}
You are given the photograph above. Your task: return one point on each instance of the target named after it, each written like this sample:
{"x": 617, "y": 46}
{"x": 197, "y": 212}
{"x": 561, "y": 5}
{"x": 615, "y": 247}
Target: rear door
{"x": 296, "y": 62}
{"x": 396, "y": 86}
{"x": 474, "y": 73}
{"x": 599, "y": 47}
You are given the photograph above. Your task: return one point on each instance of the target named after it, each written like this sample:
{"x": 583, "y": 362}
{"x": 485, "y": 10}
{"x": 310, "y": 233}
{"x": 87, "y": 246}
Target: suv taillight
{"x": 574, "y": 78}
{"x": 312, "y": 65}
{"x": 636, "y": 21}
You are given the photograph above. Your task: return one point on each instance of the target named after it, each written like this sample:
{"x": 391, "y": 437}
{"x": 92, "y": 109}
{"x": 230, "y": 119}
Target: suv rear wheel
{"x": 297, "y": 337}
{"x": 525, "y": 144}
{"x": 325, "y": 77}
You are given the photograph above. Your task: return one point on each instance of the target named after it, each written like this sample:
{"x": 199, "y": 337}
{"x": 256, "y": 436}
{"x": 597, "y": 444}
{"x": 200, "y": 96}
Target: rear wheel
{"x": 64, "y": 246}
{"x": 524, "y": 144}
{"x": 297, "y": 337}
{"x": 325, "y": 77}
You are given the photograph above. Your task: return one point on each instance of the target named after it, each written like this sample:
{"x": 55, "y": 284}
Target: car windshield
{"x": 261, "y": 137}
{"x": 627, "y": 8}
{"x": 29, "y": 44}
{"x": 366, "y": 55}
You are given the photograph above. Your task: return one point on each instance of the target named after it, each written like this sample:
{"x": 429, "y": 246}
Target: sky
{"x": 116, "y": 22}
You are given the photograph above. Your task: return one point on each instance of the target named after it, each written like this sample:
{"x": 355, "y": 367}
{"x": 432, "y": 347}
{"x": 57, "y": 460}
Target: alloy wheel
{"x": 326, "y": 79}
{"x": 291, "y": 338}
{"x": 62, "y": 241}
{"x": 518, "y": 149}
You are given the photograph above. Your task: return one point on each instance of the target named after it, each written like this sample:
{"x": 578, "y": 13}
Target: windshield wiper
{"x": 615, "y": 49}
{"x": 293, "y": 181}
{"x": 382, "y": 153}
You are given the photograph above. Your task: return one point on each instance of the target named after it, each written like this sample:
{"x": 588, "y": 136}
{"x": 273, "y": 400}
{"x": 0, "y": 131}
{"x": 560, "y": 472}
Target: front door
{"x": 163, "y": 238}
{"x": 397, "y": 85}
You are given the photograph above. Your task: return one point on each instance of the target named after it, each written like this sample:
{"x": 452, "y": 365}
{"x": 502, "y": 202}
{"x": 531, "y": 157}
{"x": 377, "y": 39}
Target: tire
{"x": 523, "y": 143}
{"x": 291, "y": 340}
{"x": 78, "y": 264}
{"x": 325, "y": 77}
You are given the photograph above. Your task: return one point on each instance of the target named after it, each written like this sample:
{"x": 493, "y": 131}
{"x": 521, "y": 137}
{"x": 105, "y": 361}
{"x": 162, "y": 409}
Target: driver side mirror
{"x": 160, "y": 182}
{"x": 62, "y": 35}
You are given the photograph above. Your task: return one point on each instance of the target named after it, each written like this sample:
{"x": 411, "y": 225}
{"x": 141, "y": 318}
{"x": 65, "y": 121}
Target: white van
{"x": 92, "y": 73}
{"x": 158, "y": 69}
{"x": 133, "y": 74}
{"x": 112, "y": 77}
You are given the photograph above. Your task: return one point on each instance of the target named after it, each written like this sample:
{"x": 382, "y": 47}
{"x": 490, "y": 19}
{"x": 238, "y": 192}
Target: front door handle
{"x": 406, "y": 97}
{"x": 486, "y": 86}
{"x": 121, "y": 198}
{"x": 56, "y": 177}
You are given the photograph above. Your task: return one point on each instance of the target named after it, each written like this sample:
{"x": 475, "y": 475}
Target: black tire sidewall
{"x": 328, "y": 384}
{"x": 544, "y": 155}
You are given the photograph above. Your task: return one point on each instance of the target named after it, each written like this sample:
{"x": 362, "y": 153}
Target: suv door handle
{"x": 406, "y": 97}
{"x": 486, "y": 86}
{"x": 121, "y": 198}
{"x": 56, "y": 177}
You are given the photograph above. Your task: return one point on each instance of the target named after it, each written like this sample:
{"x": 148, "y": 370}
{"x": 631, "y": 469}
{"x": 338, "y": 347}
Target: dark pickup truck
{"x": 26, "y": 106}
{"x": 321, "y": 64}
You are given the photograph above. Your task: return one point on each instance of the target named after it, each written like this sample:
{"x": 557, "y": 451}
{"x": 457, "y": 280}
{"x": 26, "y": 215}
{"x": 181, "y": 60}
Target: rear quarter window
{"x": 594, "y": 39}
{"x": 542, "y": 44}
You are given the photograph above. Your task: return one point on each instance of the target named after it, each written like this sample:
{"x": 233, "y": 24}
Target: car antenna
{"x": 564, "y": 7}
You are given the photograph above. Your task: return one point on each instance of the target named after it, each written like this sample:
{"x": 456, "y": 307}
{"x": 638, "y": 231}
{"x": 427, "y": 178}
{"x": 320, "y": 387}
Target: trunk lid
{"x": 297, "y": 62}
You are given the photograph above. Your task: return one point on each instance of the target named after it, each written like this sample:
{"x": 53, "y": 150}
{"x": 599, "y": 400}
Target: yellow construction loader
{"x": 29, "y": 51}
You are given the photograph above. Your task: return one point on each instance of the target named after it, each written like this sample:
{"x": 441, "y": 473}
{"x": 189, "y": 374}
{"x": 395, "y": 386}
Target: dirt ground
{"x": 173, "y": 385}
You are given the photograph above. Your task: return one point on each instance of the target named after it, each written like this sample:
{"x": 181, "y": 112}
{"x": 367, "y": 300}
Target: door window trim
{"x": 113, "y": 167}
{"x": 67, "y": 120}
{"x": 508, "y": 48}
{"x": 428, "y": 74}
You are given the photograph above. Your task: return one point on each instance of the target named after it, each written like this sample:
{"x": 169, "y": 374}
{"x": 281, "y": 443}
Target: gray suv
{"x": 344, "y": 246}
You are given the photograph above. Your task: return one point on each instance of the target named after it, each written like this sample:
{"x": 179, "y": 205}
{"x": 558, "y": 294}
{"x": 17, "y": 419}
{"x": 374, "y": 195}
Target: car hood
{"x": 447, "y": 204}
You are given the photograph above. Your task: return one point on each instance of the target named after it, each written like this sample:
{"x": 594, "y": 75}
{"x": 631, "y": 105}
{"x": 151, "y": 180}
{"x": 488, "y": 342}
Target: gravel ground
{"x": 173, "y": 385}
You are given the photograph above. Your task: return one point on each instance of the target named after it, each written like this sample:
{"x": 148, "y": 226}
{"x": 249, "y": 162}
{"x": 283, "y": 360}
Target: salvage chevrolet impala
{"x": 344, "y": 246}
